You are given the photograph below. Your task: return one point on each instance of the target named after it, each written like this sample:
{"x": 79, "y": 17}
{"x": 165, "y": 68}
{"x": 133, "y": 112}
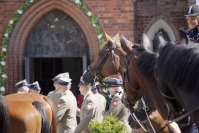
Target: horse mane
{"x": 146, "y": 61}
{"x": 179, "y": 65}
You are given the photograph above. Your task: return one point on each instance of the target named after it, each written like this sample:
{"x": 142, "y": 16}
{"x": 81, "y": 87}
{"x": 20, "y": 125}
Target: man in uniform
{"x": 35, "y": 88}
{"x": 66, "y": 107}
{"x": 22, "y": 86}
{"x": 192, "y": 18}
{"x": 89, "y": 111}
{"x": 101, "y": 101}
{"x": 56, "y": 95}
{"x": 117, "y": 108}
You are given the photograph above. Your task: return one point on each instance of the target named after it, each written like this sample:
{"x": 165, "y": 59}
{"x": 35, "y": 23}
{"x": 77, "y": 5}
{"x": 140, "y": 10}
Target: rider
{"x": 192, "y": 18}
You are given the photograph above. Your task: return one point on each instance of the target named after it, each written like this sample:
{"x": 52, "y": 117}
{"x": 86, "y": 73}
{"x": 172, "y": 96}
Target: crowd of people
{"x": 93, "y": 108}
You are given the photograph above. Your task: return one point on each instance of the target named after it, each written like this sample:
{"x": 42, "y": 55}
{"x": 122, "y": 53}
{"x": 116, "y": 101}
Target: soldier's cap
{"x": 66, "y": 74}
{"x": 21, "y": 83}
{"x": 64, "y": 80}
{"x": 112, "y": 82}
{"x": 193, "y": 10}
{"x": 35, "y": 86}
{"x": 83, "y": 83}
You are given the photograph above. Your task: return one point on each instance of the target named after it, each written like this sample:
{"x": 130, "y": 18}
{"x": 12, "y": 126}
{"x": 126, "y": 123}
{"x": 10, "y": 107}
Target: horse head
{"x": 109, "y": 61}
{"x": 140, "y": 74}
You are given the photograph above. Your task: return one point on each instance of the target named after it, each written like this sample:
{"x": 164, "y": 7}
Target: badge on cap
{"x": 115, "y": 103}
{"x": 89, "y": 106}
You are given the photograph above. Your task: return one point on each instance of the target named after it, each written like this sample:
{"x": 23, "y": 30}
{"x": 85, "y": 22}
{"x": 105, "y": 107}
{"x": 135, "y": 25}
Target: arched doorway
{"x": 55, "y": 45}
{"x": 16, "y": 51}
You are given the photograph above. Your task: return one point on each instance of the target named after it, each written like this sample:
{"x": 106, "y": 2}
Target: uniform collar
{"x": 89, "y": 92}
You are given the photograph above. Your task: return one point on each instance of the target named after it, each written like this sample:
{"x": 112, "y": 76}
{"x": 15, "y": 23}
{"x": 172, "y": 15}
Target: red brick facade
{"x": 130, "y": 17}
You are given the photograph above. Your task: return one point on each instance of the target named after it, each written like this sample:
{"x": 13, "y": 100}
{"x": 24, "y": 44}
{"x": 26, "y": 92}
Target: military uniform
{"x": 116, "y": 107}
{"x": 89, "y": 112}
{"x": 101, "y": 105}
{"x": 66, "y": 113}
{"x": 55, "y": 96}
{"x": 118, "y": 110}
{"x": 193, "y": 34}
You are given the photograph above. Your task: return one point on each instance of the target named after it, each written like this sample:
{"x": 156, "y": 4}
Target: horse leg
{"x": 45, "y": 124}
{"x": 4, "y": 116}
{"x": 53, "y": 127}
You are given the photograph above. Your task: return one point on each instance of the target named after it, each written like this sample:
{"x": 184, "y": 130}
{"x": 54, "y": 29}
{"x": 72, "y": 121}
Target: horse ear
{"x": 117, "y": 35}
{"x": 108, "y": 38}
{"x": 126, "y": 44}
{"x": 161, "y": 40}
{"x": 146, "y": 42}
{"x": 183, "y": 37}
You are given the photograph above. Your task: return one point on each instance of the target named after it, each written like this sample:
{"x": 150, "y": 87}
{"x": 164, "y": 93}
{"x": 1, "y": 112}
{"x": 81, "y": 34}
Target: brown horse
{"x": 30, "y": 113}
{"x": 112, "y": 60}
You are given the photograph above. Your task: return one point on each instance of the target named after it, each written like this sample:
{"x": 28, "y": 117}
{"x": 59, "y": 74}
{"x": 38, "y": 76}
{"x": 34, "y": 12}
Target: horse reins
{"x": 98, "y": 69}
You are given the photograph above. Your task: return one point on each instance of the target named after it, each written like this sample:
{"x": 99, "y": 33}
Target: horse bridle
{"x": 98, "y": 69}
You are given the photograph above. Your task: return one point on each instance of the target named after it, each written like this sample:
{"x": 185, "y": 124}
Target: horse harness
{"x": 98, "y": 69}
{"x": 128, "y": 104}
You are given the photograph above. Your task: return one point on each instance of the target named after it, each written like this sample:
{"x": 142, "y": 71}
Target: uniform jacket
{"x": 89, "y": 112}
{"x": 193, "y": 34}
{"x": 66, "y": 113}
{"x": 118, "y": 110}
{"x": 55, "y": 96}
{"x": 101, "y": 104}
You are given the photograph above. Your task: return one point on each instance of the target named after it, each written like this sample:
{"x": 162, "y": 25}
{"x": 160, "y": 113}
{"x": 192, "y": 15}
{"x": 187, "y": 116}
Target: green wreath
{"x": 10, "y": 27}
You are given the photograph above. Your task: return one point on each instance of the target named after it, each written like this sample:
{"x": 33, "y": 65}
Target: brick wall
{"x": 114, "y": 15}
{"x": 7, "y": 10}
{"x": 148, "y": 12}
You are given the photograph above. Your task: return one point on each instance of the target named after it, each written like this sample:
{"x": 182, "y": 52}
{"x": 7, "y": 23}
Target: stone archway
{"x": 16, "y": 47}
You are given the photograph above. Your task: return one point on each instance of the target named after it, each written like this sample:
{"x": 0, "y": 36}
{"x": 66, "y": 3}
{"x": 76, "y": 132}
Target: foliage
{"x": 17, "y": 16}
{"x": 110, "y": 124}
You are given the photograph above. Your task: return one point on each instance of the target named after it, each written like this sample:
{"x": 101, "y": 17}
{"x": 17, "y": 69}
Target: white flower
{"x": 11, "y": 21}
{"x": 77, "y": 1}
{"x": 89, "y": 13}
{"x": 4, "y": 49}
{"x": 19, "y": 11}
{"x": 31, "y": 1}
{"x": 3, "y": 63}
{"x": 94, "y": 25}
{"x": 6, "y": 34}
{"x": 99, "y": 36}
{"x": 2, "y": 89}
{"x": 3, "y": 76}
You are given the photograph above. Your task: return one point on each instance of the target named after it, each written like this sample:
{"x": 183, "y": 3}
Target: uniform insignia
{"x": 115, "y": 103}
{"x": 89, "y": 106}
{"x": 59, "y": 105}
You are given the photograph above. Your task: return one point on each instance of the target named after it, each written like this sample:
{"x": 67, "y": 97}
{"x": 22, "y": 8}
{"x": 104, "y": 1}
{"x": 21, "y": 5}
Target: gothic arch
{"x": 160, "y": 24}
{"x": 16, "y": 46}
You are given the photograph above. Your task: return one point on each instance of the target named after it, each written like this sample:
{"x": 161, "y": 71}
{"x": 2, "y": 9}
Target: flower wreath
{"x": 10, "y": 27}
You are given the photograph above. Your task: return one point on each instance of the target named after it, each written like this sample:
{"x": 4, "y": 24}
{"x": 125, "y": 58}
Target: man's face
{"x": 82, "y": 89}
{"x": 192, "y": 21}
{"x": 25, "y": 89}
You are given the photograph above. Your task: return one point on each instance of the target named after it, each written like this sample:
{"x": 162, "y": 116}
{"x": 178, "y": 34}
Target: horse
{"x": 112, "y": 60}
{"x": 177, "y": 72}
{"x": 30, "y": 113}
{"x": 4, "y": 117}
